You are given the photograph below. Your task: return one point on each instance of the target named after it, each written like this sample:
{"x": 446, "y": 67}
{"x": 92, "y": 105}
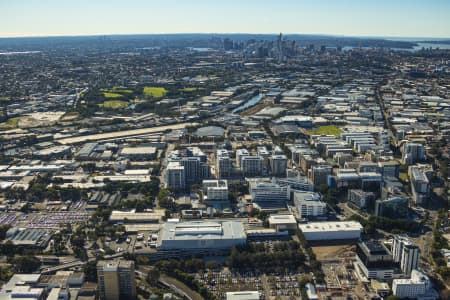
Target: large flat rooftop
{"x": 330, "y": 226}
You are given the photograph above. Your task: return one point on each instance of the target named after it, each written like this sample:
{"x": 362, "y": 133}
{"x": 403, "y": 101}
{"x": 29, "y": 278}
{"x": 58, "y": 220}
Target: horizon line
{"x": 224, "y": 33}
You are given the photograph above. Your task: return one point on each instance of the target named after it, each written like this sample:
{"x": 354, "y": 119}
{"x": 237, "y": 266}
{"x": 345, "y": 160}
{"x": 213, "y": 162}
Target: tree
{"x": 153, "y": 276}
{"x": 25, "y": 264}
{"x": 7, "y": 248}
{"x": 90, "y": 270}
{"x": 3, "y": 229}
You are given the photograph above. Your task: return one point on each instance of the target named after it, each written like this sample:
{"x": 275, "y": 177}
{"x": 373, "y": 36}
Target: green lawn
{"x": 328, "y": 129}
{"x": 5, "y": 98}
{"x": 110, "y": 95}
{"x": 114, "y": 104}
{"x": 192, "y": 89}
{"x": 121, "y": 90}
{"x": 155, "y": 92}
{"x": 10, "y": 123}
{"x": 403, "y": 177}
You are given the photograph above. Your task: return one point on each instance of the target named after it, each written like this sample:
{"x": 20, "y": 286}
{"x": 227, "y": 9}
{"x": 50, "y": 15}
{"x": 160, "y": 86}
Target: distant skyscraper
{"x": 280, "y": 47}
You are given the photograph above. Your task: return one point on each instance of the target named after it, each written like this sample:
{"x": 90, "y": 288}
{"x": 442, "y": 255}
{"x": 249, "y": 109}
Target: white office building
{"x": 215, "y": 190}
{"x": 405, "y": 252}
{"x": 268, "y": 195}
{"x": 309, "y": 204}
{"x": 413, "y": 287}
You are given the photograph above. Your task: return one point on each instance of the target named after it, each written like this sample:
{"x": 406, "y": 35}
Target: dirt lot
{"x": 331, "y": 252}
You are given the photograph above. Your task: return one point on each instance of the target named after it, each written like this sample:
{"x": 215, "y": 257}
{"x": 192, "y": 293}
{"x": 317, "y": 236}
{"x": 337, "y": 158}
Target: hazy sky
{"x": 408, "y": 18}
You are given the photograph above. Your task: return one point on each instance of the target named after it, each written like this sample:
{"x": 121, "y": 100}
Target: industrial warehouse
{"x": 195, "y": 235}
{"x": 319, "y": 231}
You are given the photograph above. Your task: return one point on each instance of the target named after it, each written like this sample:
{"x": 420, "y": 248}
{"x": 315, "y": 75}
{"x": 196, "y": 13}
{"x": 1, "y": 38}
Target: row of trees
{"x": 387, "y": 224}
{"x": 440, "y": 242}
{"x": 314, "y": 264}
{"x": 283, "y": 256}
{"x": 180, "y": 270}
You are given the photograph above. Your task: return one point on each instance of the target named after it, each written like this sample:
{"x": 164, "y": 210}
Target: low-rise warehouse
{"x": 201, "y": 235}
{"x": 316, "y": 231}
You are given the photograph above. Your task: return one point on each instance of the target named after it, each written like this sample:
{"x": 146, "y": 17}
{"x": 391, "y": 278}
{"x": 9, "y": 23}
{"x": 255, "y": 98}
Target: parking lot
{"x": 45, "y": 220}
{"x": 284, "y": 286}
{"x": 270, "y": 286}
{"x": 226, "y": 281}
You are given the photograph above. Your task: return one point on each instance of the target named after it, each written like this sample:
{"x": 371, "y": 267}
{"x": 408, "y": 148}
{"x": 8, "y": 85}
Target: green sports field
{"x": 328, "y": 130}
{"x": 155, "y": 92}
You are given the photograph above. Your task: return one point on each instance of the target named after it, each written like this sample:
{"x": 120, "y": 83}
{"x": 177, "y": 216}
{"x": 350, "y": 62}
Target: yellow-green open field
{"x": 10, "y": 123}
{"x": 114, "y": 104}
{"x": 328, "y": 129}
{"x": 155, "y": 92}
{"x": 192, "y": 89}
{"x": 110, "y": 95}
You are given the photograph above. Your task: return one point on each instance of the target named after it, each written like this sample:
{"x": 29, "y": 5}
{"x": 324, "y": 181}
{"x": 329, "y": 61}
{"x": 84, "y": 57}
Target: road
{"x": 121, "y": 134}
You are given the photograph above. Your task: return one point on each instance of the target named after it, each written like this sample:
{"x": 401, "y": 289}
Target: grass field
{"x": 5, "y": 98}
{"x": 155, "y": 92}
{"x": 403, "y": 177}
{"x": 114, "y": 104}
{"x": 110, "y": 95}
{"x": 10, "y": 123}
{"x": 328, "y": 129}
{"x": 192, "y": 89}
{"x": 121, "y": 90}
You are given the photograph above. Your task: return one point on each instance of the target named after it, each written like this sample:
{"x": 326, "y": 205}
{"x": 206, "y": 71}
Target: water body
{"x": 414, "y": 49}
{"x": 431, "y": 45}
{"x": 19, "y": 52}
{"x": 201, "y": 49}
{"x": 249, "y": 103}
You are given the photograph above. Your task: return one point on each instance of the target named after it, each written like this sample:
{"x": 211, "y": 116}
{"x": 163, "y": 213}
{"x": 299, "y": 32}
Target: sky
{"x": 383, "y": 18}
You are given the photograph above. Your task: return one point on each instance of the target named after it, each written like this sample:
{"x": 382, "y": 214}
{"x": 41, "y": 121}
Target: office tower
{"x": 223, "y": 164}
{"x": 175, "y": 176}
{"x": 252, "y": 165}
{"x": 412, "y": 153}
{"x": 405, "y": 252}
{"x": 268, "y": 195}
{"x": 239, "y": 154}
{"x": 420, "y": 185}
{"x": 319, "y": 174}
{"x": 116, "y": 280}
{"x": 374, "y": 260}
{"x": 264, "y": 153}
{"x": 192, "y": 169}
{"x": 278, "y": 165}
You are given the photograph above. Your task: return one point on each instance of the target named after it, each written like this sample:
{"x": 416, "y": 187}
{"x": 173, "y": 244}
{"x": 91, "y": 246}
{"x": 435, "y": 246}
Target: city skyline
{"x": 409, "y": 19}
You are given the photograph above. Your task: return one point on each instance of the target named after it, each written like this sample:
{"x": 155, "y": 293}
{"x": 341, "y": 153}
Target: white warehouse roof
{"x": 330, "y": 226}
